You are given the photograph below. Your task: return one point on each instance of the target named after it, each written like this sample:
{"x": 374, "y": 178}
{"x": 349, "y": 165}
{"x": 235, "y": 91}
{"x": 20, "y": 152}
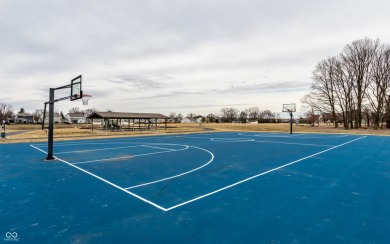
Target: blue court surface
{"x": 199, "y": 188}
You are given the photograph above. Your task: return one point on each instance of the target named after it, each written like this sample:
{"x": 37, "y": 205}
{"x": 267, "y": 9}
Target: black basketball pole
{"x": 291, "y": 122}
{"x": 51, "y": 111}
{"x": 51, "y": 125}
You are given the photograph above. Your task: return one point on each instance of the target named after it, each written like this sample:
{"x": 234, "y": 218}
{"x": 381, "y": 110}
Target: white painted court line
{"x": 94, "y": 150}
{"x": 130, "y": 156}
{"x": 106, "y": 181}
{"x": 280, "y": 136}
{"x": 272, "y": 135}
{"x": 109, "y": 141}
{"x": 94, "y": 142}
{"x": 253, "y": 140}
{"x": 66, "y": 144}
{"x": 232, "y": 139}
{"x": 114, "y": 148}
{"x": 203, "y": 196}
{"x": 307, "y": 136}
{"x": 207, "y": 136}
{"x": 160, "y": 148}
{"x": 194, "y": 137}
{"x": 293, "y": 143}
{"x": 263, "y": 173}
{"x": 295, "y": 136}
{"x": 178, "y": 175}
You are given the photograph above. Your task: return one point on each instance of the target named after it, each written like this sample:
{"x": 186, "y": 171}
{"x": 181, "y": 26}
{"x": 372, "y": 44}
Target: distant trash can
{"x": 2, "y": 134}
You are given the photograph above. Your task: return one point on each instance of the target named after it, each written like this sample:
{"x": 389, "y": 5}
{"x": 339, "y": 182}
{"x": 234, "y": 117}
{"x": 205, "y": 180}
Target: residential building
{"x": 75, "y": 118}
{"x": 24, "y": 118}
{"x": 191, "y": 120}
{"x": 57, "y": 118}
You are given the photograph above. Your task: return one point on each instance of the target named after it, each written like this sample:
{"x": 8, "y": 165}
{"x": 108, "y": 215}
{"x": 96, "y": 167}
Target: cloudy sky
{"x": 178, "y": 56}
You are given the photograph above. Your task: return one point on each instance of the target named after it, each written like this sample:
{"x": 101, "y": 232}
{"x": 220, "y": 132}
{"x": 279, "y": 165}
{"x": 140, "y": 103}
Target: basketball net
{"x": 85, "y": 99}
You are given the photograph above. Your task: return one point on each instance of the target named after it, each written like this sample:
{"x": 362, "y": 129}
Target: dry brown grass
{"x": 285, "y": 127}
{"x": 33, "y": 133}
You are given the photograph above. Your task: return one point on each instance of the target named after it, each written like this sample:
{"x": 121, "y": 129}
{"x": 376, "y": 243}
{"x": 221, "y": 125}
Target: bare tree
{"x": 358, "y": 57}
{"x": 243, "y": 117}
{"x": 367, "y": 114}
{"x": 179, "y": 117}
{"x": 312, "y": 117}
{"x": 37, "y": 114}
{"x": 229, "y": 114}
{"x": 322, "y": 96}
{"x": 253, "y": 113}
{"x": 172, "y": 115}
{"x": 387, "y": 115}
{"x": 191, "y": 115}
{"x": 267, "y": 116}
{"x": 343, "y": 92}
{"x": 90, "y": 111}
{"x": 378, "y": 89}
{"x": 75, "y": 110}
{"x": 5, "y": 111}
{"x": 342, "y": 85}
{"x": 210, "y": 118}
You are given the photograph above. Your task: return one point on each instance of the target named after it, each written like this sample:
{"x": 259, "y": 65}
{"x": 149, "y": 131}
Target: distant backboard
{"x": 75, "y": 88}
{"x": 289, "y": 107}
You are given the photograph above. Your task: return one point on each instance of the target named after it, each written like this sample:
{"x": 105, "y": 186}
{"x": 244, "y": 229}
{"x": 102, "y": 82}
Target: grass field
{"x": 33, "y": 133}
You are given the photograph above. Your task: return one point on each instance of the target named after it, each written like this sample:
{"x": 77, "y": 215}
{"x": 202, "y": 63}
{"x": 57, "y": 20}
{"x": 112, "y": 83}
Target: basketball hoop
{"x": 85, "y": 99}
{"x": 290, "y": 108}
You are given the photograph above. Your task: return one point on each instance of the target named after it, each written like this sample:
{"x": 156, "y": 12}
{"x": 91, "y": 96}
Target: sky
{"x": 179, "y": 56}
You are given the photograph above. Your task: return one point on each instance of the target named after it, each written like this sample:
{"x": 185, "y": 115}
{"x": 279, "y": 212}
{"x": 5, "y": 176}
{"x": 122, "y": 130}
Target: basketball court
{"x": 199, "y": 188}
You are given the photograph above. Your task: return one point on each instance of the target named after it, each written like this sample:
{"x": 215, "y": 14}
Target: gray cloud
{"x": 278, "y": 86}
{"x": 177, "y": 51}
{"x": 137, "y": 82}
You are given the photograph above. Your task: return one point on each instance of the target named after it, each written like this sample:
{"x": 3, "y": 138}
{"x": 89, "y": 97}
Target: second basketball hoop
{"x": 290, "y": 108}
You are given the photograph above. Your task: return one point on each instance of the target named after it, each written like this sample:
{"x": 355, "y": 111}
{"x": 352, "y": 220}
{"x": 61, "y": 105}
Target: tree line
{"x": 231, "y": 114}
{"x": 253, "y": 114}
{"x": 353, "y": 86}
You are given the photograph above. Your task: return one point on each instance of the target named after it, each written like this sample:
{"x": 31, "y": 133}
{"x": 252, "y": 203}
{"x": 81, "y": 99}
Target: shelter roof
{"x": 123, "y": 115}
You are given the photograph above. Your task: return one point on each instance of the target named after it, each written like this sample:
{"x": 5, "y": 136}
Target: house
{"x": 24, "y": 118}
{"x": 10, "y": 120}
{"x": 174, "y": 120}
{"x": 191, "y": 120}
{"x": 188, "y": 120}
{"x": 75, "y": 118}
{"x": 57, "y": 118}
